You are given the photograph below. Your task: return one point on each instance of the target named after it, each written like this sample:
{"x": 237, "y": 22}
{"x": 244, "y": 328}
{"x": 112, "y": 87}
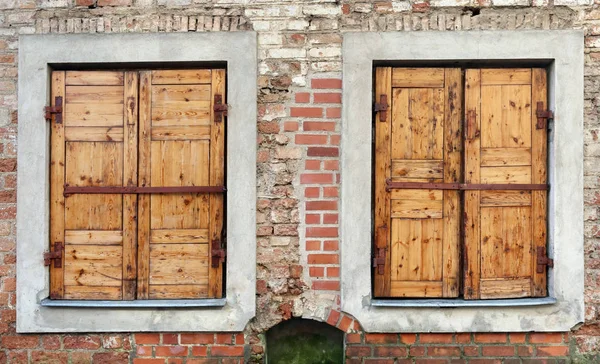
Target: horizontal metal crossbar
{"x": 464, "y": 186}
{"x": 70, "y": 190}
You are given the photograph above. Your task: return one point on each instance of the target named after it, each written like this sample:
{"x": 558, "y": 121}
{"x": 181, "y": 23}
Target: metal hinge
{"x": 543, "y": 260}
{"x": 219, "y": 108}
{"x": 379, "y": 260}
{"x": 55, "y": 110}
{"x": 55, "y": 254}
{"x": 217, "y": 253}
{"x": 381, "y": 107}
{"x": 542, "y": 116}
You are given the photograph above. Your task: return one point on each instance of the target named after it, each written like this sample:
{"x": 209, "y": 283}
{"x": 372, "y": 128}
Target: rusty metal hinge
{"x": 55, "y": 110}
{"x": 217, "y": 253}
{"x": 55, "y": 254}
{"x": 219, "y": 108}
{"x": 543, "y": 260}
{"x": 379, "y": 260}
{"x": 381, "y": 107}
{"x": 542, "y": 116}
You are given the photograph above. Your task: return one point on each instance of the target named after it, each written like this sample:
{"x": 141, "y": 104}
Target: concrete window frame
{"x": 37, "y": 55}
{"x": 564, "y": 308}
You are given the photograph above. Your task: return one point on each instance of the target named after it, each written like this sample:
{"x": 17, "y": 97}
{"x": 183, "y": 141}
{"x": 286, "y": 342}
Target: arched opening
{"x": 300, "y": 341}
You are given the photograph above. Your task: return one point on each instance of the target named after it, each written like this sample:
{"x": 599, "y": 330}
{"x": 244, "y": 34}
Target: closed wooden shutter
{"x": 417, "y": 230}
{"x": 126, "y": 245}
{"x": 504, "y": 228}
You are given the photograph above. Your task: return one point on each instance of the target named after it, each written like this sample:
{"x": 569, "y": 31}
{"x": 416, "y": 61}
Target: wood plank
{"x": 452, "y": 155}
{"x": 202, "y": 132}
{"x": 435, "y": 149}
{"x": 505, "y": 288}
{"x": 173, "y": 236}
{"x": 181, "y": 113}
{"x": 539, "y": 143}
{"x": 163, "y": 77}
{"x": 401, "y": 194}
{"x": 492, "y": 242}
{"x": 505, "y": 198}
{"x": 517, "y": 242}
{"x": 431, "y": 249}
{"x": 472, "y": 175}
{"x": 506, "y": 76}
{"x": 418, "y": 77}
{"x": 130, "y": 178}
{"x": 93, "y": 265}
{"x": 94, "y": 78}
{"x": 419, "y": 114}
{"x": 143, "y": 261}
{"x": 400, "y": 237}
{"x": 101, "y": 212}
{"x": 185, "y": 93}
{"x": 516, "y": 174}
{"x": 415, "y": 246}
{"x": 516, "y": 116}
{"x": 401, "y": 136}
{"x": 93, "y": 293}
{"x": 178, "y": 291}
{"x": 57, "y": 182}
{"x": 494, "y": 157}
{"x": 384, "y": 134}
{"x": 94, "y": 164}
{"x": 94, "y": 237}
{"x": 93, "y": 114}
{"x": 94, "y": 94}
{"x": 492, "y": 131}
{"x": 416, "y": 289}
{"x": 94, "y": 134}
{"x": 178, "y": 264}
{"x": 417, "y": 209}
{"x": 429, "y": 169}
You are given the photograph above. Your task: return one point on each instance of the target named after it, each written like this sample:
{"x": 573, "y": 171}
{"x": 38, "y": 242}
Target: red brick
{"x": 199, "y": 350}
{"x": 174, "y": 361}
{"x": 302, "y": 97}
{"x": 517, "y": 337}
{"x": 110, "y": 358}
{"x": 394, "y": 351}
{"x": 330, "y": 245}
{"x": 332, "y": 83}
{"x": 313, "y": 165}
{"x": 311, "y": 192}
{"x": 353, "y": 338}
{"x": 322, "y": 232}
{"x": 115, "y": 2}
{"x": 315, "y": 178}
{"x": 51, "y": 342}
{"x": 490, "y": 338}
{"x": 524, "y": 350}
{"x": 330, "y": 218}
{"x": 143, "y": 350}
{"x": 306, "y": 112}
{"x": 316, "y": 272}
{"x": 224, "y": 339}
{"x": 545, "y": 337}
{"x": 408, "y": 339}
{"x": 170, "y": 339}
{"x": 18, "y": 357}
{"x": 313, "y": 245}
{"x": 333, "y": 112}
{"x": 471, "y": 350}
{"x": 202, "y": 361}
{"x": 431, "y": 361}
{"x": 227, "y": 350}
{"x": 48, "y": 357}
{"x": 311, "y": 139}
{"x": 552, "y": 350}
{"x": 312, "y": 219}
{"x": 326, "y": 285}
{"x": 333, "y": 272}
{"x": 331, "y": 165}
{"x": 443, "y": 351}
{"x": 358, "y": 351}
{"x": 290, "y": 126}
{"x": 8, "y": 165}
{"x": 330, "y": 192}
{"x": 85, "y": 2}
{"x": 335, "y": 139}
{"x": 20, "y": 341}
{"x": 322, "y": 152}
{"x": 318, "y": 126}
{"x": 435, "y": 338}
{"x": 148, "y": 361}
{"x": 381, "y": 338}
{"x": 333, "y": 318}
{"x": 498, "y": 350}
{"x": 295, "y": 272}
{"x": 328, "y": 98}
{"x": 417, "y": 351}
{"x": 175, "y": 350}
{"x": 345, "y": 323}
{"x": 321, "y": 205}
{"x": 379, "y": 361}
{"x": 463, "y": 338}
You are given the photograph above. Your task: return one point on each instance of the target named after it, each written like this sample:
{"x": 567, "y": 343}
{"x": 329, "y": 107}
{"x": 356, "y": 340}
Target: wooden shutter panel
{"x": 417, "y": 230}
{"x": 94, "y": 146}
{"x": 180, "y": 145}
{"x": 504, "y": 228}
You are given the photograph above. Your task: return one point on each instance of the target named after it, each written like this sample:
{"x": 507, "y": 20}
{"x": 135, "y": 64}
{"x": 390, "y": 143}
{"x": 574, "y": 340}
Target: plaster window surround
{"x": 38, "y": 55}
{"x": 563, "y": 52}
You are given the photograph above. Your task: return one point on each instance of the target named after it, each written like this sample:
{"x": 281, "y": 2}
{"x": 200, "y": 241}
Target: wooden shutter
{"x": 94, "y": 146}
{"x": 504, "y": 228}
{"x": 180, "y": 145}
{"x": 417, "y": 230}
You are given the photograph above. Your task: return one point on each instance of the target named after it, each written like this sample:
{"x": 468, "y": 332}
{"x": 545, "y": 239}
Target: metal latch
{"x": 543, "y": 260}
{"x": 219, "y": 108}
{"x": 381, "y": 107}
{"x": 542, "y": 116}
{"x": 379, "y": 260}
{"x": 55, "y": 254}
{"x": 55, "y": 110}
{"x": 217, "y": 253}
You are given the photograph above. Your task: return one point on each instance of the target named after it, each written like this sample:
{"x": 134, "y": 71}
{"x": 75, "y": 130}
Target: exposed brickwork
{"x": 300, "y": 88}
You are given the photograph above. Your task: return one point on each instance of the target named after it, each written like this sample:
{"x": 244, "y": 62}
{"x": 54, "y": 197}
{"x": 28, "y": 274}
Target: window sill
{"x": 443, "y": 303}
{"x": 205, "y": 303}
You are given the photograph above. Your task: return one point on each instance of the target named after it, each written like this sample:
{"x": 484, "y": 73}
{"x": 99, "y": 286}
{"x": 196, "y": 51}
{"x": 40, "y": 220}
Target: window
{"x": 431, "y": 177}
{"x": 137, "y": 196}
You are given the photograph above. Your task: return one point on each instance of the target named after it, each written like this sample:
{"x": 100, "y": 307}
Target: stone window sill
{"x": 205, "y": 303}
{"x": 444, "y": 303}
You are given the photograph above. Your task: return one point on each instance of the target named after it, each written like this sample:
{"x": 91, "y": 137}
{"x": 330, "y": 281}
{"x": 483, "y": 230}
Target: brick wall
{"x": 298, "y": 180}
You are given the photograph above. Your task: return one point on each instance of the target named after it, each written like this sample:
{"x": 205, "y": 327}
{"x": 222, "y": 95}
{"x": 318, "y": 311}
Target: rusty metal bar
{"x": 70, "y": 190}
{"x": 463, "y": 186}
